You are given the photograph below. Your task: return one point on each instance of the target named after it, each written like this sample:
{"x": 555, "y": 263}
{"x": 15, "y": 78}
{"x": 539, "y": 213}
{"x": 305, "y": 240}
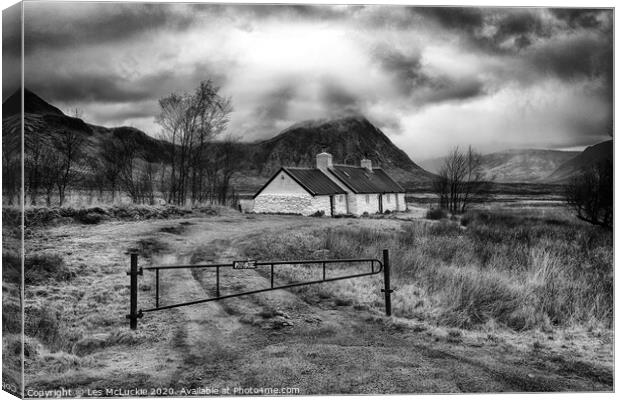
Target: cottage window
{"x": 388, "y": 198}
{"x": 340, "y": 198}
{"x": 367, "y": 199}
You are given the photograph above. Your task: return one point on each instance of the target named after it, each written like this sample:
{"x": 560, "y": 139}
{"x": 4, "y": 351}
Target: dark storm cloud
{"x": 53, "y": 27}
{"x": 405, "y": 69}
{"x": 314, "y": 12}
{"x": 445, "y": 89}
{"x": 412, "y": 82}
{"x": 585, "y": 57}
{"x": 337, "y": 100}
{"x": 579, "y": 18}
{"x": 466, "y": 19}
{"x": 74, "y": 86}
{"x": 276, "y": 103}
{"x": 523, "y": 27}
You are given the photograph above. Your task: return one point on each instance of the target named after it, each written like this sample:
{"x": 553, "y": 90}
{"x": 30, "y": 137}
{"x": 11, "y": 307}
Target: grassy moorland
{"x": 493, "y": 302}
{"x": 514, "y": 270}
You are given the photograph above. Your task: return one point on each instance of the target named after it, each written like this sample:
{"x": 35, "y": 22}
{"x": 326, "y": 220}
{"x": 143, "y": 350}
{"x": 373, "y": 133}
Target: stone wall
{"x": 340, "y": 203}
{"x": 319, "y": 203}
{"x": 371, "y": 207}
{"x": 402, "y": 205}
{"x": 304, "y": 204}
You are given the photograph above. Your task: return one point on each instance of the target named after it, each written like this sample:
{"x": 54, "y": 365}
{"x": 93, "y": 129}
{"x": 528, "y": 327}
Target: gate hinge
{"x": 139, "y": 271}
{"x": 389, "y": 291}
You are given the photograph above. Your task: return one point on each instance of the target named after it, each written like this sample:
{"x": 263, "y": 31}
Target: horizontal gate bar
{"x": 189, "y": 303}
{"x": 291, "y": 262}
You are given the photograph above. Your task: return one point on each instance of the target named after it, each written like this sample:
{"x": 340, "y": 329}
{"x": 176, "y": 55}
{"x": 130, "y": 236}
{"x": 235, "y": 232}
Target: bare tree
{"x": 128, "y": 158}
{"x": 460, "y": 181}
{"x": 590, "y": 194}
{"x": 228, "y": 161}
{"x": 190, "y": 122}
{"x": 111, "y": 157}
{"x": 69, "y": 144}
{"x": 50, "y": 173}
{"x": 11, "y": 163}
{"x": 34, "y": 146}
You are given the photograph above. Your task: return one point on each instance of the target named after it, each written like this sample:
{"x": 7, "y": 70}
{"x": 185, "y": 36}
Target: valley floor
{"x": 279, "y": 339}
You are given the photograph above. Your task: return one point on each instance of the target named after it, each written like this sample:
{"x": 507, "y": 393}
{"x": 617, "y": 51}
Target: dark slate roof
{"x": 360, "y": 180}
{"x": 312, "y": 180}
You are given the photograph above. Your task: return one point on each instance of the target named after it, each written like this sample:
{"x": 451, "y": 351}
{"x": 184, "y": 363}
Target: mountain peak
{"x": 33, "y": 104}
{"x": 348, "y": 139}
{"x": 315, "y": 123}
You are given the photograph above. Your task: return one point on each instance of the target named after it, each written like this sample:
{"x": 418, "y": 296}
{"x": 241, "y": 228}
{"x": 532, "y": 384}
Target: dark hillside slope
{"x": 33, "y": 104}
{"x": 42, "y": 118}
{"x": 589, "y": 157}
{"x": 348, "y": 140}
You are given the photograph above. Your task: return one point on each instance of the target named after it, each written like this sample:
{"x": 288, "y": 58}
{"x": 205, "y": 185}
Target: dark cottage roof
{"x": 312, "y": 180}
{"x": 361, "y": 180}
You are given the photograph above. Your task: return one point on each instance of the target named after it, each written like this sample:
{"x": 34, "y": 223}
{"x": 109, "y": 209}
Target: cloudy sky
{"x": 430, "y": 78}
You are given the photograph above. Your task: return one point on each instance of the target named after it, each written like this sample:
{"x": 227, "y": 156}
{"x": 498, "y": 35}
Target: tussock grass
{"x": 41, "y": 216}
{"x": 43, "y": 266}
{"x": 46, "y": 324}
{"x": 519, "y": 271}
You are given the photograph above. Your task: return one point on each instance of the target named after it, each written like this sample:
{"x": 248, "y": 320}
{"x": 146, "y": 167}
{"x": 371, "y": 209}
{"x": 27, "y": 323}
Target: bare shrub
{"x": 436, "y": 213}
{"x": 590, "y": 194}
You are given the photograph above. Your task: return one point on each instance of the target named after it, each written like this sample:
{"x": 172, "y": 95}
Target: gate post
{"x": 133, "y": 292}
{"x": 386, "y": 283}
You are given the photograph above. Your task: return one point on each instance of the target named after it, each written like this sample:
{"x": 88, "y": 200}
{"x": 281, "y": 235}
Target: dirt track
{"x": 278, "y": 339}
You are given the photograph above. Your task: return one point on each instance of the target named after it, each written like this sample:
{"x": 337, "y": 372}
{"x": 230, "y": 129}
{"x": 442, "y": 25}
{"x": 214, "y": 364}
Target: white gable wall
{"x": 285, "y": 195}
{"x": 284, "y": 184}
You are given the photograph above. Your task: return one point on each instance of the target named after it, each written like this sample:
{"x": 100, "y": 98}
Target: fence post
{"x": 133, "y": 292}
{"x": 157, "y": 288}
{"x": 386, "y": 283}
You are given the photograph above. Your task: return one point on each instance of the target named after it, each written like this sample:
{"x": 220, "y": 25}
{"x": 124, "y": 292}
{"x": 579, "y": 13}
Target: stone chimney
{"x": 366, "y": 163}
{"x": 324, "y": 161}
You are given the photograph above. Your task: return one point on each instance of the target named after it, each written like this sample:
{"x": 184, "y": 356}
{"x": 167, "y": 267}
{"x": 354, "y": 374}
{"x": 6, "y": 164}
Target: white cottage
{"x": 331, "y": 188}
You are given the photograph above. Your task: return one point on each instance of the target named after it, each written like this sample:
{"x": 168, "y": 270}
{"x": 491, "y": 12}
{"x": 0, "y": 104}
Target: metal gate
{"x": 376, "y": 267}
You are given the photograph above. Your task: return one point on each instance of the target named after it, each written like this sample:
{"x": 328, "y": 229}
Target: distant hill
{"x": 512, "y": 166}
{"x": 590, "y": 156}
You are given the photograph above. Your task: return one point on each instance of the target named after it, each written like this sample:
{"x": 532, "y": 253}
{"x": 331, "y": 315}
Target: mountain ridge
{"x": 349, "y": 139}
{"x": 515, "y": 165}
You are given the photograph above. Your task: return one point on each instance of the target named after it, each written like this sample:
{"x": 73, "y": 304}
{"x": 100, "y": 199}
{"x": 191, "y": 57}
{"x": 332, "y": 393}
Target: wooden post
{"x": 133, "y": 292}
{"x": 156, "y": 288}
{"x": 386, "y": 283}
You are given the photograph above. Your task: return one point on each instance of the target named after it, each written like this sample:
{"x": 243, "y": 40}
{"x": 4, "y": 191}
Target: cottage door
{"x": 380, "y": 203}
{"x": 332, "y": 206}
